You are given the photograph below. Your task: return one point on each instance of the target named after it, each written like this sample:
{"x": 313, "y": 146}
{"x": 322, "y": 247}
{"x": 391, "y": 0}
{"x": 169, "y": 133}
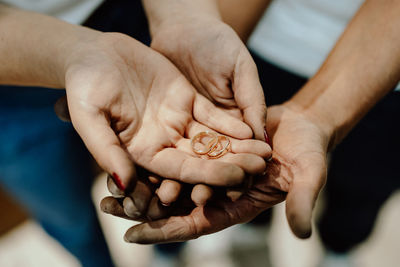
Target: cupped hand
{"x": 217, "y": 63}
{"x": 131, "y": 105}
{"x": 298, "y": 168}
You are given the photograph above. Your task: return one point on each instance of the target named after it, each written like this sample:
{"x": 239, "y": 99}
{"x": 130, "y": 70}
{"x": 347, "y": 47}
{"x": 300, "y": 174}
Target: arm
{"x": 35, "y": 47}
{"x": 242, "y": 16}
{"x": 122, "y": 98}
{"x": 360, "y": 70}
{"x": 175, "y": 11}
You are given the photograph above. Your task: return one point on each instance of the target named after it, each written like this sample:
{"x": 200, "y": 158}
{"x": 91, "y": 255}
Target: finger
{"x": 252, "y": 146}
{"x": 113, "y": 188}
{"x": 113, "y": 206}
{"x": 173, "y": 229}
{"x": 168, "y": 192}
{"x": 154, "y": 178}
{"x": 216, "y": 118}
{"x": 249, "y": 163}
{"x": 249, "y": 94}
{"x": 234, "y": 193}
{"x": 139, "y": 199}
{"x": 131, "y": 210}
{"x": 61, "y": 109}
{"x": 301, "y": 199}
{"x": 100, "y": 139}
{"x": 178, "y": 165}
{"x": 201, "y": 221}
{"x": 156, "y": 209}
{"x": 201, "y": 194}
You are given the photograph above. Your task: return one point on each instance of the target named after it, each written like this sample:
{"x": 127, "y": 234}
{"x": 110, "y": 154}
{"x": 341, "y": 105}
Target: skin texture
{"x": 211, "y": 55}
{"x": 242, "y": 16}
{"x": 152, "y": 110}
{"x": 129, "y": 104}
{"x": 363, "y": 66}
{"x": 298, "y": 167}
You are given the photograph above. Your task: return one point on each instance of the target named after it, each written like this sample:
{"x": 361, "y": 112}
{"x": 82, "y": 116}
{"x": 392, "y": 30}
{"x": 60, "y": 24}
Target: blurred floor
{"x": 27, "y": 245}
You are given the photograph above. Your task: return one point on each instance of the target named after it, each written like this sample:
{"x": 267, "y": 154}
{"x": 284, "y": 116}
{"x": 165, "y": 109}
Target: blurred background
{"x": 24, "y": 243}
{"x": 46, "y": 166}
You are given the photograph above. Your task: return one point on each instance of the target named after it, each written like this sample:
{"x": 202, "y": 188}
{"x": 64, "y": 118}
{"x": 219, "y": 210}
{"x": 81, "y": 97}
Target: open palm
{"x": 130, "y": 104}
{"x": 298, "y": 168}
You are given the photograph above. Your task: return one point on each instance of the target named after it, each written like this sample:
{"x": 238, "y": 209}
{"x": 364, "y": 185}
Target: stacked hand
{"x": 297, "y": 169}
{"x": 143, "y": 112}
{"x": 142, "y": 109}
{"x": 228, "y": 78}
{"x": 137, "y": 109}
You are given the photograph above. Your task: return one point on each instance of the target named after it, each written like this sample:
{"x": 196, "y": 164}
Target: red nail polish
{"x": 118, "y": 181}
{"x": 266, "y": 137}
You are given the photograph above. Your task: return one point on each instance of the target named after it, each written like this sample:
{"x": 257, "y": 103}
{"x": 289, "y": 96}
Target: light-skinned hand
{"x": 131, "y": 105}
{"x": 214, "y": 59}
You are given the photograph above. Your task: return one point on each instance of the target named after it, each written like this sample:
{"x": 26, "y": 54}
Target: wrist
{"x": 169, "y": 14}
{"x": 74, "y": 49}
{"x": 326, "y": 127}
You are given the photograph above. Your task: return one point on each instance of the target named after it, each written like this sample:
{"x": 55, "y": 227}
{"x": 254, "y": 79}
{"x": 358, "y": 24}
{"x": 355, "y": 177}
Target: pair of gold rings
{"x": 210, "y": 144}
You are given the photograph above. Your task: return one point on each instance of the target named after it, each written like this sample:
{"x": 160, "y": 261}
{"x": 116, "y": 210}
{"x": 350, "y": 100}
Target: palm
{"x": 151, "y": 108}
{"x": 218, "y": 64}
{"x": 298, "y": 167}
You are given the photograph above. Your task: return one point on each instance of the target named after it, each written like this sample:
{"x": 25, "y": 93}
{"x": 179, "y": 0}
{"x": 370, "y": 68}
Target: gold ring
{"x": 214, "y": 154}
{"x": 210, "y": 146}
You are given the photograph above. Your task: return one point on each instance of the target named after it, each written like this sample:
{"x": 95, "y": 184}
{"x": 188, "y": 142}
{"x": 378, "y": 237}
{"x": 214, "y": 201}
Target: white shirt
{"x": 297, "y": 35}
{"x": 72, "y": 11}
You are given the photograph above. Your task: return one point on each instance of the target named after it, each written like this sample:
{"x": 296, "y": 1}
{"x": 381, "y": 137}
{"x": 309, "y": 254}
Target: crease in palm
{"x": 154, "y": 111}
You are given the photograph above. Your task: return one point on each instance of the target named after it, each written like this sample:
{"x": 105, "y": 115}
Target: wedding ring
{"x": 210, "y": 146}
{"x": 217, "y": 153}
{"x": 215, "y": 148}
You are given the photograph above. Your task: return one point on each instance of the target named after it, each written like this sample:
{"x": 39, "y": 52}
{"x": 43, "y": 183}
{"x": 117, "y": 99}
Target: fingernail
{"x": 266, "y": 137}
{"x": 126, "y": 239}
{"x": 118, "y": 181}
{"x": 165, "y": 204}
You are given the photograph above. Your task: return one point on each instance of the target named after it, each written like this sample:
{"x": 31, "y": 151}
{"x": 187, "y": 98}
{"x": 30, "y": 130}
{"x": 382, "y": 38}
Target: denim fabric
{"x": 45, "y": 166}
{"x": 43, "y": 162}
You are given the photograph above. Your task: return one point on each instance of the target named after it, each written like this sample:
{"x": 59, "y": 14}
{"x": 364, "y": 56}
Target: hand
{"x": 298, "y": 167}
{"x": 153, "y": 198}
{"x": 214, "y": 59}
{"x": 141, "y": 202}
{"x": 130, "y": 104}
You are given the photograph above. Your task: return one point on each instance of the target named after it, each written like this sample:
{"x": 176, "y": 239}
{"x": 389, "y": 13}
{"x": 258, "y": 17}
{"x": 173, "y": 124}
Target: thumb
{"x": 301, "y": 200}
{"x": 249, "y": 94}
